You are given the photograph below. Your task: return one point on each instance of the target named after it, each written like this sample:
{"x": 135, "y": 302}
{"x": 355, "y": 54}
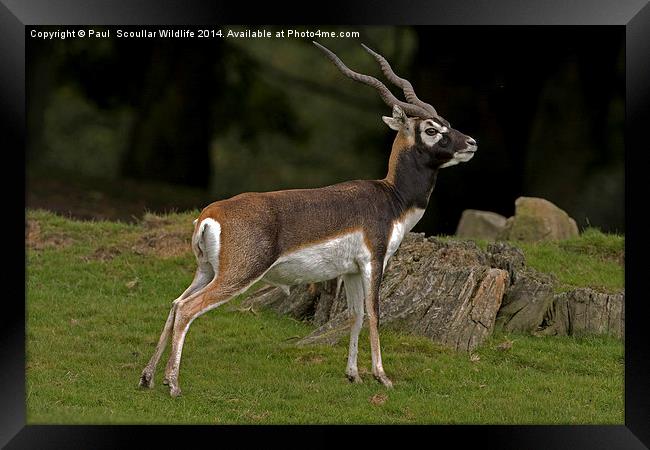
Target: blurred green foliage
{"x": 84, "y": 138}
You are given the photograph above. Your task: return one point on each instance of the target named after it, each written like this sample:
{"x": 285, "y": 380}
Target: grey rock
{"x": 475, "y": 224}
{"x": 537, "y": 219}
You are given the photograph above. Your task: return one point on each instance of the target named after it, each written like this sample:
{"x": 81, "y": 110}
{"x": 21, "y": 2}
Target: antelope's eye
{"x": 444, "y": 141}
{"x": 430, "y": 131}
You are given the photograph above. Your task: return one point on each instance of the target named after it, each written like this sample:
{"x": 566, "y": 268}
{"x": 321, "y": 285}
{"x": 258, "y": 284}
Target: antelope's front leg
{"x": 372, "y": 281}
{"x": 354, "y": 296}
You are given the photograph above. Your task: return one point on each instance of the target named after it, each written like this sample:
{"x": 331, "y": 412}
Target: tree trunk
{"x": 171, "y": 136}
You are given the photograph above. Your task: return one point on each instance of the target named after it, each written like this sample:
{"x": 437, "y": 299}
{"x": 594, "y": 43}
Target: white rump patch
{"x": 206, "y": 243}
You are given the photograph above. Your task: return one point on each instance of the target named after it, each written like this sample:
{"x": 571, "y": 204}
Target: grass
{"x": 98, "y": 297}
{"x": 594, "y": 259}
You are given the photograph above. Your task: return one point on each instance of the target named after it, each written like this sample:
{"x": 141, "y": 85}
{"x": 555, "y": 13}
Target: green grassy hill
{"x": 98, "y": 294}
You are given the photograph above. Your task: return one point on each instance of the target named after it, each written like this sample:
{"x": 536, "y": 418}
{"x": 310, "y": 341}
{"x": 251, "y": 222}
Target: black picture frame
{"x": 634, "y": 15}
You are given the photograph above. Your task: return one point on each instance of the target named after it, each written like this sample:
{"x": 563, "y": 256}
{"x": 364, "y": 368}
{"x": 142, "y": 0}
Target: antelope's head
{"x": 421, "y": 131}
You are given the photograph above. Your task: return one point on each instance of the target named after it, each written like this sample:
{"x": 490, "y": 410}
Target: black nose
{"x": 471, "y": 141}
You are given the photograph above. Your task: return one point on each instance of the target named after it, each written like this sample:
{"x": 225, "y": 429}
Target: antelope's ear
{"x": 398, "y": 121}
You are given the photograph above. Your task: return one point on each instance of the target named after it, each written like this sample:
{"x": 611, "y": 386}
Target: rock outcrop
{"x": 454, "y": 293}
{"x": 585, "y": 311}
{"x": 526, "y": 301}
{"x": 443, "y": 290}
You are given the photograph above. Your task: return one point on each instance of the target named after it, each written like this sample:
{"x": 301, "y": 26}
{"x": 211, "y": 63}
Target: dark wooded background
{"x": 117, "y": 126}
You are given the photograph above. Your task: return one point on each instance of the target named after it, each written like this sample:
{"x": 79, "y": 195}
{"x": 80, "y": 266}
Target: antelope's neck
{"x": 411, "y": 181}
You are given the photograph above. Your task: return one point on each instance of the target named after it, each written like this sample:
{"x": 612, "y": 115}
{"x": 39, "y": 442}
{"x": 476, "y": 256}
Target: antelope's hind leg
{"x": 204, "y": 274}
{"x": 187, "y": 310}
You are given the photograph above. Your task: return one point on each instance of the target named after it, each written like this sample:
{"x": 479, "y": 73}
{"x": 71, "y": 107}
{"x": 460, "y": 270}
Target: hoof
{"x": 146, "y": 380}
{"x": 354, "y": 378}
{"x": 383, "y": 379}
{"x": 165, "y": 381}
{"x": 175, "y": 391}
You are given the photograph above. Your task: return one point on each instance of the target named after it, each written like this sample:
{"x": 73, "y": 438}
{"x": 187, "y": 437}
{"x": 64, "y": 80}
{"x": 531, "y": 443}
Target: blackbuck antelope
{"x": 291, "y": 237}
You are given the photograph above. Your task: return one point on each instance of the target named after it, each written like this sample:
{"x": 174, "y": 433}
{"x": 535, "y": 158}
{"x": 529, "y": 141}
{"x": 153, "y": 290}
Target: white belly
{"x": 320, "y": 262}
